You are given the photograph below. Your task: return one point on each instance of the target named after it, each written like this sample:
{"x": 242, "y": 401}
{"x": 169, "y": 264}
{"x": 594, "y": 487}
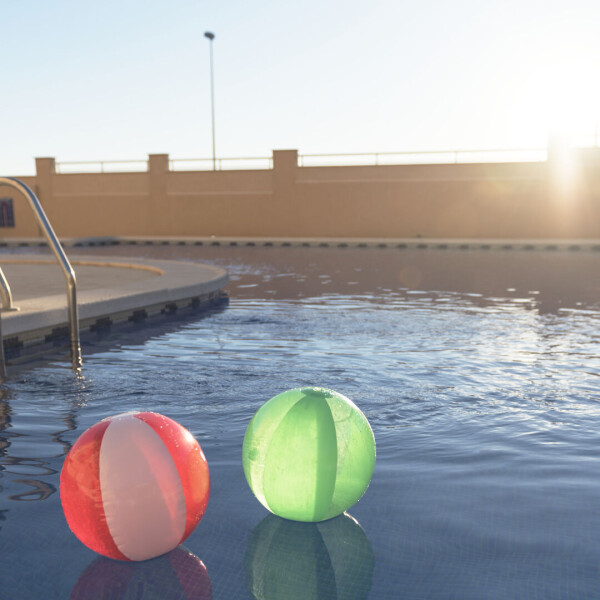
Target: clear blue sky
{"x": 121, "y": 79}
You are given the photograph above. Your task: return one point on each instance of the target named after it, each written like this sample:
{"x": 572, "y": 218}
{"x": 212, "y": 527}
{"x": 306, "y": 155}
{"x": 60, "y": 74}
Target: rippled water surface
{"x": 479, "y": 372}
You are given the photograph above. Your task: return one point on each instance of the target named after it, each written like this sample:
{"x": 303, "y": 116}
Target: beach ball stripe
{"x": 134, "y": 486}
{"x": 191, "y": 465}
{"x": 84, "y": 511}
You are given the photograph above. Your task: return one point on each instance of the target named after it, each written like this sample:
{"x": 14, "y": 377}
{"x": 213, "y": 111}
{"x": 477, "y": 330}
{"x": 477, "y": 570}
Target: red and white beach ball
{"x": 134, "y": 486}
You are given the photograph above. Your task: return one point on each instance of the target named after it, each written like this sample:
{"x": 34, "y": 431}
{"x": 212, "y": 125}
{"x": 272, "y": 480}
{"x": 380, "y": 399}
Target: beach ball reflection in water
{"x": 332, "y": 560}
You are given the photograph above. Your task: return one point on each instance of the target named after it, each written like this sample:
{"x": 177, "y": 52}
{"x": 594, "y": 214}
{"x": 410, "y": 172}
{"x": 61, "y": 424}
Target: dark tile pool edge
{"x": 42, "y": 322}
{"x": 572, "y": 245}
{"x": 48, "y": 343}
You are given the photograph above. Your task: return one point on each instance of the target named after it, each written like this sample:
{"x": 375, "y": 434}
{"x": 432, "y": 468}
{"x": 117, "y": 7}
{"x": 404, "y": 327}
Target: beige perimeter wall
{"x": 502, "y": 200}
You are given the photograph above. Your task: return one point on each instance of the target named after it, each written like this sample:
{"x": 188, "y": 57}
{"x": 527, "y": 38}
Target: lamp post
{"x": 211, "y": 37}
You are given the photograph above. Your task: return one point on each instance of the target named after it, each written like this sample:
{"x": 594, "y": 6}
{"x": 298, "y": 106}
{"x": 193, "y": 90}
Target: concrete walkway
{"x": 109, "y": 290}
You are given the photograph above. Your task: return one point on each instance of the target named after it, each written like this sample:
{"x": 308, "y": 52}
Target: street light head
{"x": 209, "y": 35}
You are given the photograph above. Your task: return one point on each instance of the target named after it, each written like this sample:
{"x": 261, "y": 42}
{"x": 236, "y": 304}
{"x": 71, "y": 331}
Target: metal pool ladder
{"x": 65, "y": 265}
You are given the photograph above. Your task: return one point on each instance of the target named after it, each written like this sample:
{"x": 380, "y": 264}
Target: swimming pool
{"x": 479, "y": 372}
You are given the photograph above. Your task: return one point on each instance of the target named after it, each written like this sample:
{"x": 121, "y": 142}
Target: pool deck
{"x": 109, "y": 291}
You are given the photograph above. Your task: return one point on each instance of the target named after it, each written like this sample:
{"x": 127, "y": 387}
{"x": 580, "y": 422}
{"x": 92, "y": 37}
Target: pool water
{"x": 479, "y": 372}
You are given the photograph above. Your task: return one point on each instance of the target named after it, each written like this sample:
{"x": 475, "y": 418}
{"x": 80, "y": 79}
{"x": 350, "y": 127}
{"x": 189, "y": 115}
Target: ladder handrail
{"x": 5, "y": 293}
{"x": 62, "y": 259}
{"x": 2, "y": 361}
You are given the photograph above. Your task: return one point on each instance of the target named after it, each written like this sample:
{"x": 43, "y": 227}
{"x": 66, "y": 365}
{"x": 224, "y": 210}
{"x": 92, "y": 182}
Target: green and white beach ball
{"x": 309, "y": 454}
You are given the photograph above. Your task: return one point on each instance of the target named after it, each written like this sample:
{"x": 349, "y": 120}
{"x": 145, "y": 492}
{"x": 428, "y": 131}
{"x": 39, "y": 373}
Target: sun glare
{"x": 556, "y": 94}
{"x": 562, "y": 160}
{"x": 552, "y": 97}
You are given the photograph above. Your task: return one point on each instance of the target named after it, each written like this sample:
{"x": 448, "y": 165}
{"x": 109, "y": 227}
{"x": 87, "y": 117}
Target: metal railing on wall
{"x": 498, "y": 155}
{"x": 222, "y": 164}
{"x": 175, "y": 164}
{"x": 310, "y": 160}
{"x": 101, "y": 166}
{"x": 424, "y": 157}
